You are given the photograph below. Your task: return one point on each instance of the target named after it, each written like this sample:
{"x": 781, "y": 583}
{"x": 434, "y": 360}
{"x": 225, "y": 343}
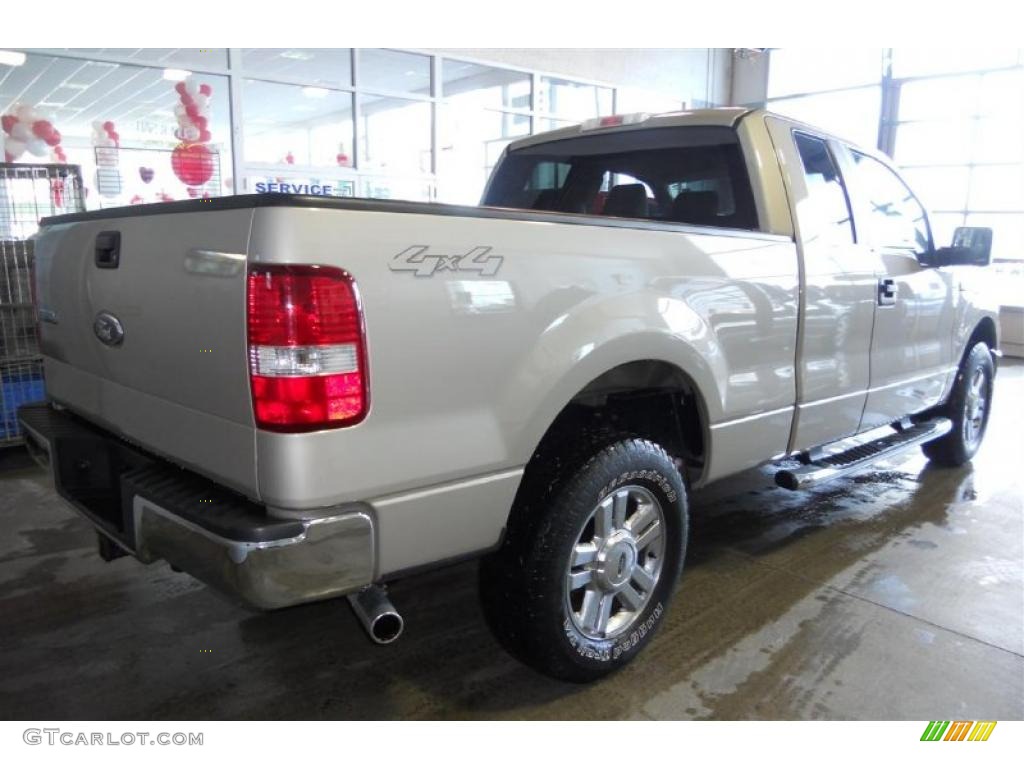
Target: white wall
{"x": 697, "y": 76}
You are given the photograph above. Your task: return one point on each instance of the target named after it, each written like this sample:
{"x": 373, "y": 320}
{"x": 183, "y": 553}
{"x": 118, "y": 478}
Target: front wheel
{"x": 583, "y": 582}
{"x": 968, "y": 407}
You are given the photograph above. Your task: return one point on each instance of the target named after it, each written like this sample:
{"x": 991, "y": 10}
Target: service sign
{"x": 316, "y": 187}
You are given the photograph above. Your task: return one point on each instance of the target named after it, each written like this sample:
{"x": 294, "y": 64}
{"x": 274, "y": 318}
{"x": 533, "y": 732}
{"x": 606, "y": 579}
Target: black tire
{"x": 524, "y": 586}
{"x": 960, "y": 444}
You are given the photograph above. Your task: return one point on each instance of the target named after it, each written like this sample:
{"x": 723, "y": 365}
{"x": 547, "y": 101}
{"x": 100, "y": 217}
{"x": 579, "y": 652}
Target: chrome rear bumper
{"x": 157, "y": 511}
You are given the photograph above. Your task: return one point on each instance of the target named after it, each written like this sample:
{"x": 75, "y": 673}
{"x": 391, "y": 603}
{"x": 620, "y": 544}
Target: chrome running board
{"x": 824, "y": 467}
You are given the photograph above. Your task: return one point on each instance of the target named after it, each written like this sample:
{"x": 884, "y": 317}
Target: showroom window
{"x": 482, "y": 110}
{"x": 950, "y": 118}
{"x": 372, "y": 122}
{"x": 122, "y": 122}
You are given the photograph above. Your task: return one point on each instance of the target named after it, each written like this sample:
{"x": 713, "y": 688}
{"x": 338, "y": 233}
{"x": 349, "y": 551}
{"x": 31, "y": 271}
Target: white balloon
{"x": 24, "y": 112}
{"x": 191, "y": 133}
{"x": 13, "y": 147}
{"x": 38, "y": 147}
{"x": 179, "y": 110}
{"x": 97, "y": 125}
{"x": 21, "y": 131}
{"x": 202, "y": 101}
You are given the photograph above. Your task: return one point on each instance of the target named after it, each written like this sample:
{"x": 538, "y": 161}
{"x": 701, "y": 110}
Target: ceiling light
{"x": 297, "y": 55}
{"x": 12, "y": 58}
{"x": 176, "y": 74}
{"x": 314, "y": 93}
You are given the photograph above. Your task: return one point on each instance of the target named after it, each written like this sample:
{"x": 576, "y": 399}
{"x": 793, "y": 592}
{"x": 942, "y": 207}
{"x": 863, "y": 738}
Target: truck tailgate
{"x": 152, "y": 344}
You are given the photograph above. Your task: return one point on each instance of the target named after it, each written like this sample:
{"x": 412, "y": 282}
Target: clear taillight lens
{"x": 307, "y": 348}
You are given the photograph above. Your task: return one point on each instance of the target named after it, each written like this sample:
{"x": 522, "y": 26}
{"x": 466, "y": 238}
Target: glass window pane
{"x": 551, "y": 124}
{"x": 297, "y": 125}
{"x": 381, "y": 69}
{"x": 945, "y": 98}
{"x": 397, "y": 188}
{"x": 396, "y": 134}
{"x": 825, "y": 213}
{"x": 895, "y": 218}
{"x": 934, "y": 143}
{"x": 573, "y": 101}
{"x": 315, "y": 66}
{"x": 852, "y": 115}
{"x": 806, "y": 70}
{"x": 1007, "y": 234}
{"x": 940, "y": 189}
{"x": 630, "y": 100}
{"x": 692, "y": 175}
{"x": 79, "y": 97}
{"x": 913, "y": 62}
{"x": 1002, "y": 93}
{"x": 999, "y": 140}
{"x": 943, "y": 225}
{"x": 997, "y": 188}
{"x": 472, "y": 141}
{"x": 184, "y": 58}
{"x": 475, "y": 85}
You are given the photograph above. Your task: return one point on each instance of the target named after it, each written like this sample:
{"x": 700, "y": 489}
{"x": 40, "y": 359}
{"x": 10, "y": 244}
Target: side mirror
{"x": 972, "y": 246}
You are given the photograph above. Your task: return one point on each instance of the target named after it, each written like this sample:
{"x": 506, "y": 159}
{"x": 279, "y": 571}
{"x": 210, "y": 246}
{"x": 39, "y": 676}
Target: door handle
{"x": 886, "y": 292}
{"x": 108, "y": 250}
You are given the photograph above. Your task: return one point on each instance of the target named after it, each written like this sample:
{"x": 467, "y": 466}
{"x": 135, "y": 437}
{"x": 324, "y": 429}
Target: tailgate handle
{"x": 108, "y": 250}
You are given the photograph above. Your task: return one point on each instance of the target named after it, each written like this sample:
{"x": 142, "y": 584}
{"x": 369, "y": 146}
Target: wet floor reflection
{"x": 837, "y": 603}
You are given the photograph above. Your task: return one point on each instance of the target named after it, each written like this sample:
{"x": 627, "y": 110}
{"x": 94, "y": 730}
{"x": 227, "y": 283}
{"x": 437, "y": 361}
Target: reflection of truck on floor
{"x": 298, "y": 398}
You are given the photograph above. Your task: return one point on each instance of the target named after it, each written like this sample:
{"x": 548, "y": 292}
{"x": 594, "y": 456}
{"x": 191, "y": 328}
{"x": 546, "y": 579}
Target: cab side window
{"x": 825, "y": 213}
{"x": 895, "y": 218}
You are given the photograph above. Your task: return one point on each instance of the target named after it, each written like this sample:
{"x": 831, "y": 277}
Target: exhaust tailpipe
{"x": 376, "y": 613}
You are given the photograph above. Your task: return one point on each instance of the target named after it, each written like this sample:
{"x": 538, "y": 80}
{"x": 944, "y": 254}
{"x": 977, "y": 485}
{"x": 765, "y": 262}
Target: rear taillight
{"x": 307, "y": 348}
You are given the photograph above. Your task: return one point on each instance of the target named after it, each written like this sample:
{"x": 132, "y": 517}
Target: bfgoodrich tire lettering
{"x": 614, "y": 524}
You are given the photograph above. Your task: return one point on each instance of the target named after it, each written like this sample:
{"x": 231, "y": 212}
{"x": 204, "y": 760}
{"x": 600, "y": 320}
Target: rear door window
{"x": 689, "y": 175}
{"x": 824, "y": 214}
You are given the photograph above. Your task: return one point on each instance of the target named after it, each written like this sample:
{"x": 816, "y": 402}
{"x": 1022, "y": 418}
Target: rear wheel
{"x": 583, "y": 581}
{"x": 968, "y": 408}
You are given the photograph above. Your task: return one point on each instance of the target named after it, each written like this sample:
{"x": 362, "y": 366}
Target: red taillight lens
{"x": 307, "y": 349}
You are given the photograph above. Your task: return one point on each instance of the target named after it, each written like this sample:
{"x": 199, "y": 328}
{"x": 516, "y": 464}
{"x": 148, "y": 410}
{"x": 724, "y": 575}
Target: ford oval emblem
{"x": 108, "y": 329}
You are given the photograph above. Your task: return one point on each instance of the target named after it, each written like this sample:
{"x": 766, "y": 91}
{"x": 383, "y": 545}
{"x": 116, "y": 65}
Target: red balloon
{"x": 192, "y": 111}
{"x": 187, "y": 100}
{"x": 54, "y": 138}
{"x": 42, "y": 128}
{"x": 200, "y": 122}
{"x": 108, "y": 126}
{"x": 192, "y": 164}
{"x": 180, "y": 87}
{"x": 8, "y": 122}
{"x": 205, "y": 136}
{"x": 205, "y": 89}
{"x": 115, "y": 136}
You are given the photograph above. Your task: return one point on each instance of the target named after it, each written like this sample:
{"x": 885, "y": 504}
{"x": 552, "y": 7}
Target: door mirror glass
{"x": 972, "y": 246}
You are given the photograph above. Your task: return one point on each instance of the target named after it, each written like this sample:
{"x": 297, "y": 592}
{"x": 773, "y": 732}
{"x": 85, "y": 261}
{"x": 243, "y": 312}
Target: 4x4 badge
{"x": 417, "y": 260}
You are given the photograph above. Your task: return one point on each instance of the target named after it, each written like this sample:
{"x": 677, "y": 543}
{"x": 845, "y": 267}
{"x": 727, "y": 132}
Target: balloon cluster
{"x": 29, "y": 130}
{"x": 191, "y": 160}
{"x": 193, "y": 113}
{"x": 106, "y": 139}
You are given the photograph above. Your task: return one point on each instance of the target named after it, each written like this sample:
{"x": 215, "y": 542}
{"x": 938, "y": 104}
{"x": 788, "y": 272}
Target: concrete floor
{"x": 895, "y": 595}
